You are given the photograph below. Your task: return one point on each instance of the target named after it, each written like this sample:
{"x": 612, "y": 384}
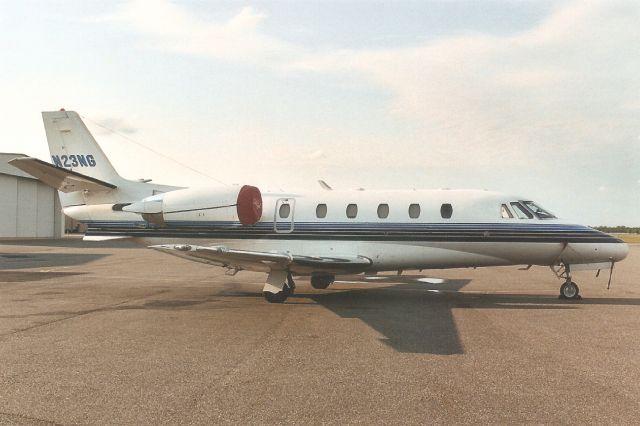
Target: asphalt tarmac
{"x": 95, "y": 333}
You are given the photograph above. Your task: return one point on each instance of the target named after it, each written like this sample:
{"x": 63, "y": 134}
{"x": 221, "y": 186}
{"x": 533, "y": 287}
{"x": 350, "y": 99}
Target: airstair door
{"x": 283, "y": 217}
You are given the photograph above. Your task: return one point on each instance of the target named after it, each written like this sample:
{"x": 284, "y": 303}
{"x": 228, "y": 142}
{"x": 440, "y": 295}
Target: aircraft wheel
{"x": 278, "y": 297}
{"x": 322, "y": 281}
{"x": 570, "y": 290}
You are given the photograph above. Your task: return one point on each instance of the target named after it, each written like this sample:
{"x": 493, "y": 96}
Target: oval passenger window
{"x": 321, "y": 211}
{"x": 352, "y": 211}
{"x": 446, "y": 211}
{"x": 284, "y": 211}
{"x": 383, "y": 211}
{"x": 414, "y": 211}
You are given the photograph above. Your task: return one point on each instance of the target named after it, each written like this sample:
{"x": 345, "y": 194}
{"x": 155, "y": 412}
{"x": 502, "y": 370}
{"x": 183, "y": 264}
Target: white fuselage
{"x": 396, "y": 230}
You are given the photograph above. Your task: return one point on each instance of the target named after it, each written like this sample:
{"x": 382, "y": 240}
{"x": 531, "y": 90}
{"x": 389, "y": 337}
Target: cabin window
{"x": 321, "y": 211}
{"x": 352, "y": 211}
{"x": 505, "y": 212}
{"x": 539, "y": 211}
{"x": 520, "y": 211}
{"x": 284, "y": 211}
{"x": 414, "y": 211}
{"x": 446, "y": 211}
{"x": 383, "y": 211}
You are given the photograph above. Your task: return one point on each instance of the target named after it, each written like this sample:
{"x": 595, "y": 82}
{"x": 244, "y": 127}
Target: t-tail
{"x": 90, "y": 188}
{"x": 74, "y": 148}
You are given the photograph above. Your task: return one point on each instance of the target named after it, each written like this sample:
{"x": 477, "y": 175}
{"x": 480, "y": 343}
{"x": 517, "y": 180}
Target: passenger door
{"x": 283, "y": 216}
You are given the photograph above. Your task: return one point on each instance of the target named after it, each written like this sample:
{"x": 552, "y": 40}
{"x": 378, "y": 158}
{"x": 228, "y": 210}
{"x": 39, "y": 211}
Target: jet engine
{"x": 223, "y": 204}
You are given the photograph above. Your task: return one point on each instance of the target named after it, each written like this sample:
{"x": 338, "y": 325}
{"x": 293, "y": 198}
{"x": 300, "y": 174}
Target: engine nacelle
{"x": 228, "y": 204}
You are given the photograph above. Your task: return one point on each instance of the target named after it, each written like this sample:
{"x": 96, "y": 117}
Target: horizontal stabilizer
{"x": 103, "y": 238}
{"x": 61, "y": 179}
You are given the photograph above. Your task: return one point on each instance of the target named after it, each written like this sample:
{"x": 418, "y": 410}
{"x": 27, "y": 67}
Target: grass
{"x": 629, "y": 238}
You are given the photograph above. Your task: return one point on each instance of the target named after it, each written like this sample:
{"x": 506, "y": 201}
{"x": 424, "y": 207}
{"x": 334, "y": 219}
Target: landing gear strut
{"x": 279, "y": 286}
{"x": 568, "y": 290}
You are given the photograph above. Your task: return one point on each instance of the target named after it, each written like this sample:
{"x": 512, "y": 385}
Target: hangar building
{"x": 28, "y": 208}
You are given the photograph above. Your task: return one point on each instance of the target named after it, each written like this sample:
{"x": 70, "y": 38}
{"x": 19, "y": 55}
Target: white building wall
{"x": 8, "y": 205}
{"x": 28, "y": 209}
{"x": 45, "y": 213}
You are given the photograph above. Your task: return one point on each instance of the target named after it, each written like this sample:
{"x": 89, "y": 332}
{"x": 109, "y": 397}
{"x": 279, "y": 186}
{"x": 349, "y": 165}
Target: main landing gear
{"x": 568, "y": 290}
{"x": 278, "y": 287}
{"x": 322, "y": 281}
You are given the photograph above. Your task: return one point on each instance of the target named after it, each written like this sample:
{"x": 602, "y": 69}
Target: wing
{"x": 56, "y": 177}
{"x": 265, "y": 261}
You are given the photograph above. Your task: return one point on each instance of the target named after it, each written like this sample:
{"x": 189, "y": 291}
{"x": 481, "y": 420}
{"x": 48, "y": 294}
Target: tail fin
{"x": 73, "y": 147}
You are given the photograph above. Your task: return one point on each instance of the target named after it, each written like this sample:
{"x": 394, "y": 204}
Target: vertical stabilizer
{"x": 73, "y": 147}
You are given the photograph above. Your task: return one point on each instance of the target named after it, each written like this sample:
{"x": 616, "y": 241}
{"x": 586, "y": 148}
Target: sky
{"x": 536, "y": 98}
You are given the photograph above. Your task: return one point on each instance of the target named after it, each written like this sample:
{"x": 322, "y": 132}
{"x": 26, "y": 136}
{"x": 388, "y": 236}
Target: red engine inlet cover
{"x": 249, "y": 205}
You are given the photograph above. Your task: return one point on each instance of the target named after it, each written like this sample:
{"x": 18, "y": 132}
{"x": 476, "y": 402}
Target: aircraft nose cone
{"x": 619, "y": 251}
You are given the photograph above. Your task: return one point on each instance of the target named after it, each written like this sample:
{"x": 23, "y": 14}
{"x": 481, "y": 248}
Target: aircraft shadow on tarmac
{"x": 418, "y": 318}
{"x": 41, "y": 260}
{"x": 411, "y": 318}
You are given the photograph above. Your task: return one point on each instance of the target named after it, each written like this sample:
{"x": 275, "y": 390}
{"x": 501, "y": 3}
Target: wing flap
{"x": 61, "y": 179}
{"x": 262, "y": 261}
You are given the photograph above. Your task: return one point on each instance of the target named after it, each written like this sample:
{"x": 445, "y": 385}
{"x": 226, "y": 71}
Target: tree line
{"x": 619, "y": 229}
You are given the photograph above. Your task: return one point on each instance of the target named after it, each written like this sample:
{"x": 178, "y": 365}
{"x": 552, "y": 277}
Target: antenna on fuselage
{"x": 325, "y": 185}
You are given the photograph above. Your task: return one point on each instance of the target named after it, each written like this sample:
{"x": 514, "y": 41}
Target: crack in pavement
{"x": 30, "y": 418}
{"x": 81, "y": 313}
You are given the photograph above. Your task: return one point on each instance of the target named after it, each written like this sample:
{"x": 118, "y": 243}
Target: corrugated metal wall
{"x": 28, "y": 209}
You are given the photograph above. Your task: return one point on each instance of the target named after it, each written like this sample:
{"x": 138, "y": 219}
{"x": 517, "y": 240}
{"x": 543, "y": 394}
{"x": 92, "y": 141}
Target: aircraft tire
{"x": 321, "y": 282}
{"x": 278, "y": 297}
{"x": 570, "y": 291}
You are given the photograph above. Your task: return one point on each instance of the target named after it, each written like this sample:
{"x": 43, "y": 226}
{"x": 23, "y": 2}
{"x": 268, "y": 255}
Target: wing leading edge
{"x": 265, "y": 261}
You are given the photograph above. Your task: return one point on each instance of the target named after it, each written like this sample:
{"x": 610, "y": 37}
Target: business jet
{"x": 321, "y": 234}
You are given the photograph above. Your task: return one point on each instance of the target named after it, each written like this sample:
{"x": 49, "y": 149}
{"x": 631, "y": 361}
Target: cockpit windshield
{"x": 539, "y": 211}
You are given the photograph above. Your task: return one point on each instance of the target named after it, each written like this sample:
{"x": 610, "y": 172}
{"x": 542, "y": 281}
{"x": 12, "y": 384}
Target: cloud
{"x": 317, "y": 155}
{"x": 571, "y": 81}
{"x": 554, "y": 88}
{"x": 168, "y": 26}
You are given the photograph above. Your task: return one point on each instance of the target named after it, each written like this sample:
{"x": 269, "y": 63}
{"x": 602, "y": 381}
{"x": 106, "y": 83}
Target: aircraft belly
{"x": 439, "y": 255}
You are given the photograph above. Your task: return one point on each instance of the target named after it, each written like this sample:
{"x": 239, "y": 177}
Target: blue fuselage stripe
{"x": 345, "y": 231}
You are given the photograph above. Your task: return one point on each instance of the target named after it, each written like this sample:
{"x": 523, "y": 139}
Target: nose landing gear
{"x": 568, "y": 290}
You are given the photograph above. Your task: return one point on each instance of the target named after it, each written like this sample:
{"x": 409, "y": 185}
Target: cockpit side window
{"x": 505, "y": 212}
{"x": 520, "y": 211}
{"x": 539, "y": 211}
